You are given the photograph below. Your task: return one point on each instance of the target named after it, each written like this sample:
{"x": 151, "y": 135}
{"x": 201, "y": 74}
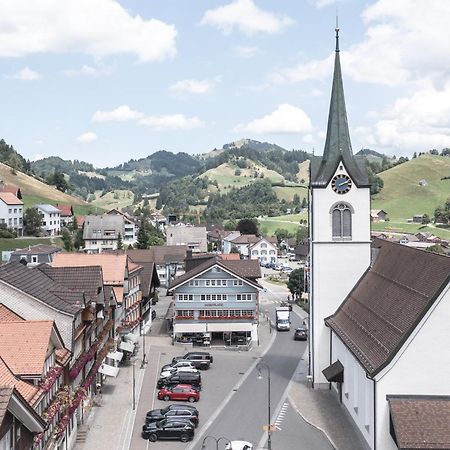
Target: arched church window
{"x": 341, "y": 220}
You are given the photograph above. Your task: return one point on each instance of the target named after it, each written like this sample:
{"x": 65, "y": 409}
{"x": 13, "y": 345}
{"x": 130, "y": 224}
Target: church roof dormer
{"x": 338, "y": 146}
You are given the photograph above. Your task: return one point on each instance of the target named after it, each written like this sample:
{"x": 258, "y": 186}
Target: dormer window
{"x": 341, "y": 220}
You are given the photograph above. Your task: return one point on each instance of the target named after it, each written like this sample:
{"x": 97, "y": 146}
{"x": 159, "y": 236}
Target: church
{"x": 379, "y": 311}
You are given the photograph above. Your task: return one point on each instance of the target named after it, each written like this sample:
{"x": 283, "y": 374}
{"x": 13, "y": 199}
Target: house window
{"x": 243, "y": 297}
{"x": 263, "y": 245}
{"x": 341, "y": 219}
{"x": 185, "y": 297}
{"x": 254, "y": 252}
{"x": 34, "y": 259}
{"x": 224, "y": 282}
{"x": 185, "y": 313}
{"x": 237, "y": 283}
{"x": 194, "y": 283}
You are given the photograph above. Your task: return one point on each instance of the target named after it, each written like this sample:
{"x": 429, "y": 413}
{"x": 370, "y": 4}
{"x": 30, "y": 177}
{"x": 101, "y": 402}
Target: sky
{"x": 105, "y": 81}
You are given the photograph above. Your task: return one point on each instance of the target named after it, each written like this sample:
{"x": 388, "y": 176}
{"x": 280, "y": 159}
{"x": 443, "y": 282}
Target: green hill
{"x": 402, "y": 196}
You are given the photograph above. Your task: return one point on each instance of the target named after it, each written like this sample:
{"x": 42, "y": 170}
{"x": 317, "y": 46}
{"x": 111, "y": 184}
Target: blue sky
{"x": 105, "y": 81}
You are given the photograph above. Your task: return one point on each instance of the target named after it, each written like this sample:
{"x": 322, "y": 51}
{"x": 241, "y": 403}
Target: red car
{"x": 179, "y": 392}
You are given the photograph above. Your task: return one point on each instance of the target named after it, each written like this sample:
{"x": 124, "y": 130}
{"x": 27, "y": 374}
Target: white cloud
{"x": 247, "y": 17}
{"x": 415, "y": 123}
{"x": 122, "y": 113}
{"x": 246, "y": 52}
{"x": 285, "y": 119}
{"x": 322, "y": 3}
{"x": 86, "y": 138}
{"x": 193, "y": 86}
{"x": 172, "y": 122}
{"x": 99, "y": 28}
{"x": 89, "y": 71}
{"x": 38, "y": 157}
{"x": 26, "y": 74}
{"x": 397, "y": 49}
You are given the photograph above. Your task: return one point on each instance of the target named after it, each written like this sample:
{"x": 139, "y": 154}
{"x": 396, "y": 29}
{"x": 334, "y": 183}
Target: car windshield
{"x": 165, "y": 410}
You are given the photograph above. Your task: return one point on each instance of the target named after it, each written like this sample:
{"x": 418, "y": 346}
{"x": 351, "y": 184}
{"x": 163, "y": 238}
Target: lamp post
{"x": 259, "y": 366}
{"x": 217, "y": 440}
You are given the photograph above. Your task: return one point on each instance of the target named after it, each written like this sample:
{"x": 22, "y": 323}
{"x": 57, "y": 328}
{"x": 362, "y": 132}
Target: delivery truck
{"x": 283, "y": 319}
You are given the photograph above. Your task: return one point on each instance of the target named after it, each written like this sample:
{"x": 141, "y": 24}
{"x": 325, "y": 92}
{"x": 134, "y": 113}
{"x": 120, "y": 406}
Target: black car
{"x": 173, "y": 412}
{"x": 301, "y": 334}
{"x": 168, "y": 429}
{"x": 194, "y": 379}
{"x": 200, "y": 360}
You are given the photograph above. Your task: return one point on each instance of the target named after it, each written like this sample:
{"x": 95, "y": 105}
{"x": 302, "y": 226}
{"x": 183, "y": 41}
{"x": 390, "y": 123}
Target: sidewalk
{"x": 321, "y": 408}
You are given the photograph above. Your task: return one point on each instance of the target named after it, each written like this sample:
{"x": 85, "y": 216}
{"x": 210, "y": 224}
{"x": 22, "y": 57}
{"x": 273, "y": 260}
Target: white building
{"x": 380, "y": 313}
{"x": 11, "y": 212}
{"x": 101, "y": 232}
{"x": 130, "y": 227}
{"x": 51, "y": 220}
{"x": 227, "y": 241}
{"x": 264, "y": 251}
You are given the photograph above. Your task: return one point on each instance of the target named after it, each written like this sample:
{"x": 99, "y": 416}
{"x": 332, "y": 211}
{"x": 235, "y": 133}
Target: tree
{"x": 296, "y": 282}
{"x": 302, "y": 233}
{"x": 66, "y": 237}
{"x": 230, "y": 225}
{"x": 142, "y": 237}
{"x": 282, "y": 234}
{"x": 248, "y": 226}
{"x": 304, "y": 203}
{"x": 436, "y": 248}
{"x": 58, "y": 180}
{"x": 32, "y": 222}
{"x": 426, "y": 219}
{"x": 75, "y": 224}
{"x": 237, "y": 172}
{"x": 234, "y": 249}
{"x": 78, "y": 241}
{"x": 119, "y": 242}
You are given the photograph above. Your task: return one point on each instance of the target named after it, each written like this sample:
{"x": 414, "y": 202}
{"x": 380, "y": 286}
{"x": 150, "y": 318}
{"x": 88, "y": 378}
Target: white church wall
{"x": 357, "y": 390}
{"x": 422, "y": 367}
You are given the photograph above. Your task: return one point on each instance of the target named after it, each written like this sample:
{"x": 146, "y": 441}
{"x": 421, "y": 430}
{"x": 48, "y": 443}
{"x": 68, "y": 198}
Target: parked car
{"x": 194, "y": 379}
{"x": 301, "y": 334}
{"x": 239, "y": 445}
{"x": 184, "y": 392}
{"x": 200, "y": 360}
{"x": 168, "y": 429}
{"x": 173, "y": 412}
{"x": 177, "y": 364}
{"x": 168, "y": 373}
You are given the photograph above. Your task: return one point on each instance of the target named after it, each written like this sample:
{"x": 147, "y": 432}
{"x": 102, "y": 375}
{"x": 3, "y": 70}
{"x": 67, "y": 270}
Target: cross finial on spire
{"x": 337, "y": 31}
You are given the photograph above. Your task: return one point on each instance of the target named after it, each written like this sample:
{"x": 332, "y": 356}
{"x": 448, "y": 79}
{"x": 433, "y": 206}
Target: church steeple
{"x": 338, "y": 146}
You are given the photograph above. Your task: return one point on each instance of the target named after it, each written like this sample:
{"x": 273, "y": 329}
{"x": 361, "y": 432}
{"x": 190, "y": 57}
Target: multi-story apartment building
{"x": 217, "y": 302}
{"x": 130, "y": 227}
{"x": 50, "y": 219}
{"x": 11, "y": 212}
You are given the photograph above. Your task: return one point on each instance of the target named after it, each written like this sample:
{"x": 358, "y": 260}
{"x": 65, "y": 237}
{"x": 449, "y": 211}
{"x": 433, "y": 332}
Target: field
{"x": 35, "y": 191}
{"x": 287, "y": 192}
{"x": 226, "y": 178}
{"x": 412, "y": 228}
{"x": 13, "y": 244}
{"x": 290, "y": 222}
{"x": 114, "y": 199}
{"x": 402, "y": 196}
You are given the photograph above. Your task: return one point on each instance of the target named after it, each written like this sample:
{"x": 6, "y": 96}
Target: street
{"x": 234, "y": 402}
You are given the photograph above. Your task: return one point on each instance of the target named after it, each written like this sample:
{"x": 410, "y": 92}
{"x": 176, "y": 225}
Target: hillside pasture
{"x": 287, "y": 192}
{"x": 290, "y": 222}
{"x": 114, "y": 199}
{"x": 14, "y": 244}
{"x": 402, "y": 196}
{"x": 35, "y": 191}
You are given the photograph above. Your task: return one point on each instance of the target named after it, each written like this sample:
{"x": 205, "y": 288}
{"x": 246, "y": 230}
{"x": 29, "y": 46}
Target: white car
{"x": 177, "y": 365}
{"x": 239, "y": 445}
{"x": 167, "y": 373}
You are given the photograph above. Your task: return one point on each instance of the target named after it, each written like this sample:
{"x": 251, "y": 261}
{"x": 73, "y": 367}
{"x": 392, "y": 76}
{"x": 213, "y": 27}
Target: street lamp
{"x": 217, "y": 440}
{"x": 259, "y": 366}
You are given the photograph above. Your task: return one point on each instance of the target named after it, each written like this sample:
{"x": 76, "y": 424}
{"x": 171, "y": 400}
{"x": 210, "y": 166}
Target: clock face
{"x": 341, "y": 184}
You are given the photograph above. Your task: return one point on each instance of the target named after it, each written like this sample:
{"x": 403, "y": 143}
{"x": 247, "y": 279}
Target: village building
{"x": 66, "y": 215}
{"x": 50, "y": 219}
{"x": 34, "y": 255}
{"x": 217, "y": 303}
{"x": 194, "y": 238}
{"x": 11, "y": 212}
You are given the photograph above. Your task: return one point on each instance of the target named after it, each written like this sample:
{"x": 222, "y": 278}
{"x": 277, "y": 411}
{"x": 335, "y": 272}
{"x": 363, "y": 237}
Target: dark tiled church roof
{"x": 388, "y": 302}
{"x": 420, "y": 421}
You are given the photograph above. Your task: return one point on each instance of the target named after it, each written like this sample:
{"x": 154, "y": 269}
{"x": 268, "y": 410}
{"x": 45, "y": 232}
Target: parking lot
{"x": 217, "y": 383}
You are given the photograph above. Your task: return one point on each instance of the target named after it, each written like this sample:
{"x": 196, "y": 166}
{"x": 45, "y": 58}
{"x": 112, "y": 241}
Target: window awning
{"x": 334, "y": 373}
{"x": 189, "y": 328}
{"x": 227, "y": 327}
{"x": 106, "y": 369}
{"x": 116, "y": 356}
{"x": 127, "y": 346}
{"x": 131, "y": 337}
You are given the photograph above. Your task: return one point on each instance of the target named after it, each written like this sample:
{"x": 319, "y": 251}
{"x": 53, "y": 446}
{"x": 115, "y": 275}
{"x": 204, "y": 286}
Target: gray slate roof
{"x": 40, "y": 249}
{"x": 246, "y": 268}
{"x": 388, "y": 302}
{"x": 36, "y": 283}
{"x": 337, "y": 145}
{"x": 104, "y": 222}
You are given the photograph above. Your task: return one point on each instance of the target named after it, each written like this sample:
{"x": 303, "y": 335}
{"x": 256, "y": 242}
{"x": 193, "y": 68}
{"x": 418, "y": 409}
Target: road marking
{"x": 156, "y": 380}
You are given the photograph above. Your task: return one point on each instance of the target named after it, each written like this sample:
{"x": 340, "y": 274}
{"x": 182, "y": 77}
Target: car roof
{"x": 183, "y": 386}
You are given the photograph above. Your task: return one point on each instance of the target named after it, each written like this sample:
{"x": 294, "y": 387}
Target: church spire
{"x": 338, "y": 146}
